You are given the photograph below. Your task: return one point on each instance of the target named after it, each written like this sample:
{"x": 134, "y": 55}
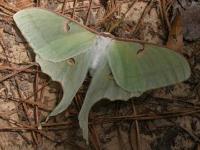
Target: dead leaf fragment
{"x": 175, "y": 38}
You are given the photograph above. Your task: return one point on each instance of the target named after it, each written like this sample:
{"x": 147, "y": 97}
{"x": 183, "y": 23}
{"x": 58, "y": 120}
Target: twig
{"x": 38, "y": 3}
{"x": 14, "y": 122}
{"x": 170, "y": 4}
{"x": 120, "y": 139}
{"x": 179, "y": 101}
{"x": 122, "y": 18}
{"x": 15, "y": 73}
{"x": 79, "y": 9}
{"x": 136, "y": 127}
{"x": 165, "y": 14}
{"x": 25, "y": 109}
{"x": 66, "y": 123}
{"x": 146, "y": 10}
{"x": 28, "y": 141}
{"x": 74, "y": 8}
{"x": 146, "y": 116}
{"x": 63, "y": 6}
{"x": 181, "y": 5}
{"x": 88, "y": 13}
{"x": 28, "y": 103}
{"x": 107, "y": 16}
{"x": 38, "y": 90}
{"x": 161, "y": 10}
{"x": 94, "y": 138}
{"x": 14, "y": 129}
{"x": 9, "y": 8}
{"x": 35, "y": 88}
{"x": 17, "y": 68}
{"x": 36, "y": 97}
{"x": 192, "y": 135}
{"x": 6, "y": 12}
{"x": 77, "y": 103}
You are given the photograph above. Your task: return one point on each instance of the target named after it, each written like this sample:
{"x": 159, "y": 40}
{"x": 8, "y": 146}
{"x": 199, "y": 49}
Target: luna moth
{"x": 120, "y": 68}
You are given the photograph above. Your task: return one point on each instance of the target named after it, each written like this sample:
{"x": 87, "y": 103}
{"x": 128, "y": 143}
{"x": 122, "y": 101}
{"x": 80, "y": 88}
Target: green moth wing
{"x": 138, "y": 67}
{"x": 102, "y": 86}
{"x": 70, "y": 74}
{"x": 53, "y": 37}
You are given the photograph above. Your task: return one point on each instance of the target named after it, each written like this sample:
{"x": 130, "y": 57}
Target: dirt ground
{"x": 162, "y": 119}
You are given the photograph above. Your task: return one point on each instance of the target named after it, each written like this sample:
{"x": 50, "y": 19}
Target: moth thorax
{"x": 98, "y": 52}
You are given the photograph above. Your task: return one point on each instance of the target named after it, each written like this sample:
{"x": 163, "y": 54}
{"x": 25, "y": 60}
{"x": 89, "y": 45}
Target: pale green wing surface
{"x": 140, "y": 67}
{"x": 48, "y": 34}
{"x": 70, "y": 74}
{"x": 102, "y": 86}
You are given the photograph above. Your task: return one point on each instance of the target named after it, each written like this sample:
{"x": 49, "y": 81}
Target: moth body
{"x": 98, "y": 52}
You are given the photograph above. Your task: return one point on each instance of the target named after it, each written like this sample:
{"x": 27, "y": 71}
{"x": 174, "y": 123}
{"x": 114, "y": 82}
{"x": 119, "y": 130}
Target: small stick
{"x": 107, "y": 16}
{"x": 17, "y": 68}
{"x": 146, "y": 10}
{"x": 88, "y": 12}
{"x": 81, "y": 8}
{"x": 73, "y": 12}
{"x": 63, "y": 6}
{"x": 15, "y": 73}
{"x": 94, "y": 138}
{"x": 116, "y": 24}
{"x": 36, "y": 111}
{"x": 163, "y": 3}
{"x": 148, "y": 117}
{"x": 136, "y": 127}
{"x": 28, "y": 103}
{"x": 38, "y": 3}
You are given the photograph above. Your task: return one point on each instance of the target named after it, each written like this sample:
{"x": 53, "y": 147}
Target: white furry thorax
{"x": 98, "y": 52}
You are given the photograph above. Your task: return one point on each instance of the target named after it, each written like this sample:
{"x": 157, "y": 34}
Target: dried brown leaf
{"x": 175, "y": 38}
